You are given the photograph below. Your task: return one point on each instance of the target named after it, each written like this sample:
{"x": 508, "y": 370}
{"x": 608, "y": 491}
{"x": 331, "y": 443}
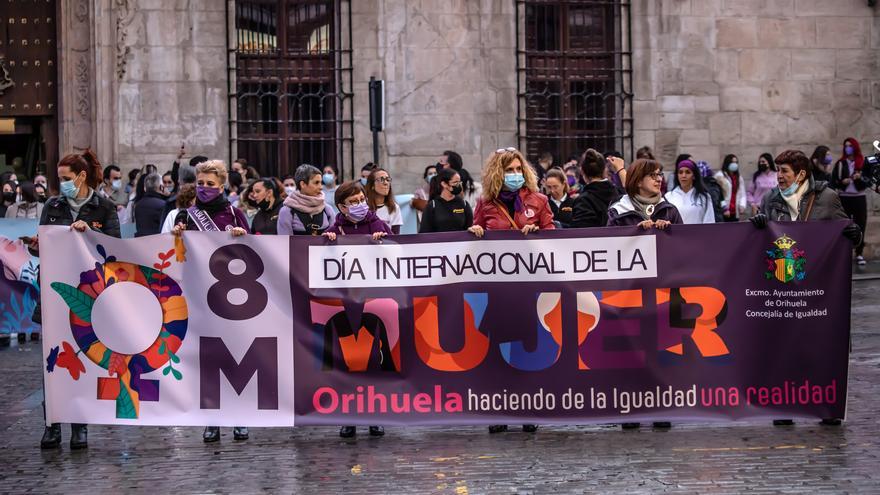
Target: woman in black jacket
{"x": 79, "y": 207}
{"x": 561, "y": 204}
{"x": 148, "y": 210}
{"x": 266, "y": 194}
{"x": 446, "y": 211}
{"x": 599, "y": 193}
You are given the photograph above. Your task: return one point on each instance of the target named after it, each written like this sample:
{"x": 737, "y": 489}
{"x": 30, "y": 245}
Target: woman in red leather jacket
{"x": 510, "y": 199}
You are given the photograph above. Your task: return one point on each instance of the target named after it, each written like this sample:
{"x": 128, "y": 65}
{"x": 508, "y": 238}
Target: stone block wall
{"x": 450, "y": 81}
{"x": 750, "y": 76}
{"x": 158, "y": 72}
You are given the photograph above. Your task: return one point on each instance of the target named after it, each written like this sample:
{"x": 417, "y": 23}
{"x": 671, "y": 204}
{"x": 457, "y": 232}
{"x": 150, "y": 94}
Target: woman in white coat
{"x": 734, "y": 202}
{"x": 689, "y": 195}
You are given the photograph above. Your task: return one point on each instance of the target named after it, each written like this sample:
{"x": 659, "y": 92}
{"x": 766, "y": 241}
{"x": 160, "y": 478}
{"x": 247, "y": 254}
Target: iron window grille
{"x": 574, "y": 77}
{"x": 290, "y": 85}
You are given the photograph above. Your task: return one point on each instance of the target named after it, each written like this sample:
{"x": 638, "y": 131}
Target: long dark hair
{"x": 771, "y": 163}
{"x": 818, "y": 158}
{"x": 443, "y": 175}
{"x": 725, "y": 167}
{"x": 28, "y": 192}
{"x": 702, "y": 194}
{"x": 455, "y": 162}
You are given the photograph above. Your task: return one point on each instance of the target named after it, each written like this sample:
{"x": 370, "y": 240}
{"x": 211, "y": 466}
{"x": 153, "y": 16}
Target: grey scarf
{"x": 645, "y": 206}
{"x": 77, "y": 204}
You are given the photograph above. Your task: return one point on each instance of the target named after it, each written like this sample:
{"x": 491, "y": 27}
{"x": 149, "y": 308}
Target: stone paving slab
{"x": 689, "y": 458}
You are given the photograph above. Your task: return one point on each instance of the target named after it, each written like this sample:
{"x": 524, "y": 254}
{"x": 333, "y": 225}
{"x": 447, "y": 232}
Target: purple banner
{"x": 709, "y": 322}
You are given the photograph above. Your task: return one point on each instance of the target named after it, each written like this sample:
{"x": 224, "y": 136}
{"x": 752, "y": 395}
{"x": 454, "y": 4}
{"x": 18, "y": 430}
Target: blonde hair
{"x": 216, "y": 167}
{"x": 493, "y": 173}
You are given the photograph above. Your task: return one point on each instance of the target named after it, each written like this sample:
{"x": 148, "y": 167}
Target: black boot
{"x": 79, "y": 436}
{"x": 240, "y": 433}
{"x": 211, "y": 434}
{"x": 530, "y": 428}
{"x": 377, "y": 431}
{"x": 22, "y": 337}
{"x": 347, "y": 431}
{"x": 830, "y": 422}
{"x": 783, "y": 422}
{"x": 5, "y": 339}
{"x": 630, "y": 426}
{"x": 662, "y": 424}
{"x": 51, "y": 437}
{"x": 497, "y": 428}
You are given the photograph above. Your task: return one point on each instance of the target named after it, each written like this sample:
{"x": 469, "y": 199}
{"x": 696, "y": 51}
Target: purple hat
{"x": 705, "y": 169}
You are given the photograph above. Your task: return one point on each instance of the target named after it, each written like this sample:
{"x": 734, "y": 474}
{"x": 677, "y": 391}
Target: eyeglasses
{"x": 384, "y": 180}
{"x": 505, "y": 150}
{"x": 656, "y": 176}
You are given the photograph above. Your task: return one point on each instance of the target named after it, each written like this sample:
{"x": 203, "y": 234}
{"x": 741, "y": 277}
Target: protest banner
{"x": 699, "y": 323}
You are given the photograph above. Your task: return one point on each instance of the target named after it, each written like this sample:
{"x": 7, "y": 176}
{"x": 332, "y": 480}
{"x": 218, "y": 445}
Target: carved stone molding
{"x": 81, "y": 11}
{"x": 124, "y": 17}
{"x": 83, "y": 105}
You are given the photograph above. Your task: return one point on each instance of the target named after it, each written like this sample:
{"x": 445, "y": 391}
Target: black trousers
{"x": 856, "y": 207}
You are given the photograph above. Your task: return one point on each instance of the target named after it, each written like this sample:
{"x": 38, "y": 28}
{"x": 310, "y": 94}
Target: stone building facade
{"x": 136, "y": 78}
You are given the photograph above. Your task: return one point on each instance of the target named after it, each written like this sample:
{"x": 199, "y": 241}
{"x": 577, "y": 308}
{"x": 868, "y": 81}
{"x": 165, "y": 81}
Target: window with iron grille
{"x": 574, "y": 77}
{"x": 290, "y": 94}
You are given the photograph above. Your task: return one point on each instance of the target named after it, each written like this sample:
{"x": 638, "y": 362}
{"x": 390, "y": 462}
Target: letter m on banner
{"x": 375, "y": 337}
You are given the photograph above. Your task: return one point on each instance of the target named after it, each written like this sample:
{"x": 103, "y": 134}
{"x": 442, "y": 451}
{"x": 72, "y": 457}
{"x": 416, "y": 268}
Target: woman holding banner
{"x": 511, "y": 201}
{"x": 643, "y": 204}
{"x": 79, "y": 207}
{"x": 446, "y": 211}
{"x": 212, "y": 213}
{"x": 356, "y": 218}
{"x": 800, "y": 198}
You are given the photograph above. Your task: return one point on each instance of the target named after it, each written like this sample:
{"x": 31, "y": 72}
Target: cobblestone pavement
{"x": 689, "y": 458}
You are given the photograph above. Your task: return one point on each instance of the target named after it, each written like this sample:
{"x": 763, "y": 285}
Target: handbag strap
{"x": 503, "y": 209}
{"x": 810, "y": 206}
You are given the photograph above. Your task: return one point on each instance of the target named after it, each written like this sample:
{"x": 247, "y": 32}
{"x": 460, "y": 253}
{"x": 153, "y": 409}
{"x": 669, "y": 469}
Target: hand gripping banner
{"x": 700, "y": 323}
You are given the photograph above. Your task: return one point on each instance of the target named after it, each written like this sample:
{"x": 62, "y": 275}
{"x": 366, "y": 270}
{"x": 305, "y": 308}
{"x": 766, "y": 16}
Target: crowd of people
{"x": 589, "y": 190}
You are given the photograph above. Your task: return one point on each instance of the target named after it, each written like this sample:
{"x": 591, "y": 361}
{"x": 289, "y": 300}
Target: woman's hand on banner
{"x": 529, "y": 228}
{"x": 178, "y": 229}
{"x": 646, "y": 224}
{"x": 331, "y": 236}
{"x": 238, "y": 232}
{"x": 759, "y": 220}
{"x": 662, "y": 224}
{"x": 79, "y": 226}
{"x": 476, "y": 230}
{"x": 377, "y": 236}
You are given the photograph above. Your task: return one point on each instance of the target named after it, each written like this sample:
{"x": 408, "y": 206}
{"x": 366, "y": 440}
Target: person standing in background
{"x": 734, "y": 203}
{"x": 763, "y": 181}
{"x": 846, "y": 178}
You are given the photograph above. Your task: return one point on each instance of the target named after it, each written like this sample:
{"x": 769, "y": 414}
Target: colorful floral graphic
{"x": 125, "y": 386}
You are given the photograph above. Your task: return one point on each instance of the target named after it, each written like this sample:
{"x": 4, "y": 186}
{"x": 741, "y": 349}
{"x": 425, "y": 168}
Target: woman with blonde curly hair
{"x": 510, "y": 200}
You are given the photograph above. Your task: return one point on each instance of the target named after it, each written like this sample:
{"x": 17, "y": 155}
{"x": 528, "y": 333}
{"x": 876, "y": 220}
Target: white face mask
{"x": 289, "y": 190}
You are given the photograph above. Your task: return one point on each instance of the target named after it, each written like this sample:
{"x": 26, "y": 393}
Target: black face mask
{"x": 264, "y": 205}
{"x": 456, "y": 190}
{"x": 9, "y": 197}
{"x": 42, "y": 198}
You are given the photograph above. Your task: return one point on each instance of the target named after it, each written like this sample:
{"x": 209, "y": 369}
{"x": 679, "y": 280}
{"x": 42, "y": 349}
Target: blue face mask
{"x": 828, "y": 159}
{"x": 429, "y": 177}
{"x": 788, "y": 191}
{"x": 328, "y": 179}
{"x": 513, "y": 182}
{"x": 69, "y": 189}
{"x": 733, "y": 167}
{"x": 363, "y": 181}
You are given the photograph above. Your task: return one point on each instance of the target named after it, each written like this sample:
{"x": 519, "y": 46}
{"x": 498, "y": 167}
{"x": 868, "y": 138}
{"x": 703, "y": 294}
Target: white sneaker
{"x": 861, "y": 260}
